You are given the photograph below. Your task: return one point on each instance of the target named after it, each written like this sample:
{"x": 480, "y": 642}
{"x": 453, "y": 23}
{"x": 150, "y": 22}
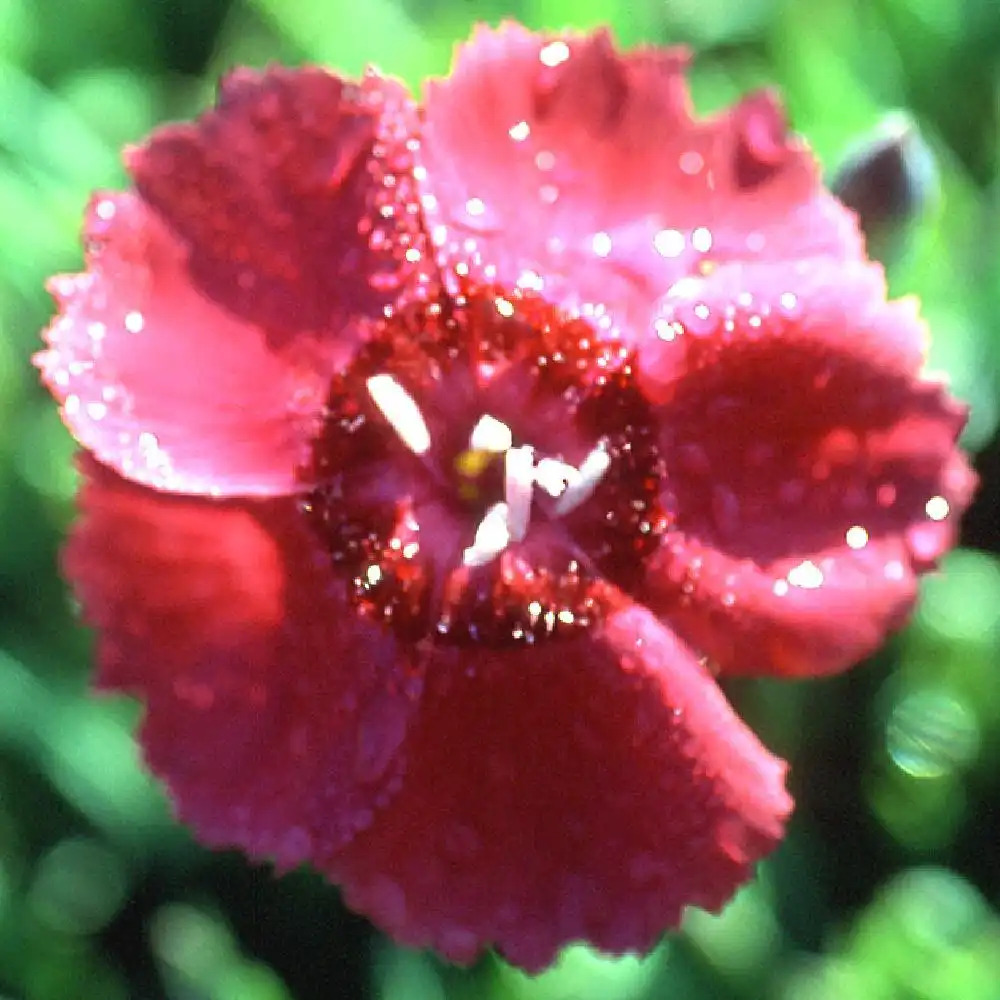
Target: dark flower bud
{"x": 889, "y": 179}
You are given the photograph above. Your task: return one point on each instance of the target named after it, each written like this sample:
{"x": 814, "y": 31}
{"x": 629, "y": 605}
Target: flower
{"x": 434, "y": 454}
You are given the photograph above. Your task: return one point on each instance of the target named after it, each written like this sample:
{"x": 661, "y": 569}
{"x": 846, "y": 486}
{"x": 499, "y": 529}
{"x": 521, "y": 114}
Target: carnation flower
{"x": 436, "y": 456}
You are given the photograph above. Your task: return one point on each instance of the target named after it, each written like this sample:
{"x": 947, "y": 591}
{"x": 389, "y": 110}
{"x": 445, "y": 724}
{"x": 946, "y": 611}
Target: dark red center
{"x": 400, "y": 500}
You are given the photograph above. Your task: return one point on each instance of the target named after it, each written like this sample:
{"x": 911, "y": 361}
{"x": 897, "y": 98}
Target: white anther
{"x": 402, "y": 412}
{"x": 554, "y": 476}
{"x": 491, "y": 434}
{"x": 492, "y": 537}
{"x": 591, "y": 472}
{"x": 518, "y": 478}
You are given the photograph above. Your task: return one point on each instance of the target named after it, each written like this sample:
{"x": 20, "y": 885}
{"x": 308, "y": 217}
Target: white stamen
{"x": 592, "y": 471}
{"x": 402, "y": 412}
{"x": 491, "y": 434}
{"x": 517, "y": 485}
{"x": 492, "y": 537}
{"x": 554, "y": 476}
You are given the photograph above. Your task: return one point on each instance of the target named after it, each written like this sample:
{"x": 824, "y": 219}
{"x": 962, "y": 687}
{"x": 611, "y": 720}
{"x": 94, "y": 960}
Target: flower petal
{"x": 813, "y": 467}
{"x": 571, "y": 793}
{"x": 274, "y": 714}
{"x": 195, "y": 351}
{"x": 555, "y": 162}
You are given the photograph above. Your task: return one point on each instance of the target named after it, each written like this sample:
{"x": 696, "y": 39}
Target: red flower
{"x": 433, "y": 449}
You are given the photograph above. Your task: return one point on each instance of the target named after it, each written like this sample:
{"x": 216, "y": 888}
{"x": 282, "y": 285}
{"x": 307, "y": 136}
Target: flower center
{"x": 485, "y": 468}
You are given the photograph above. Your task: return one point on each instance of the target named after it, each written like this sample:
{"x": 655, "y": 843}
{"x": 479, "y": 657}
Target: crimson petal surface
{"x": 580, "y": 792}
{"x": 273, "y": 713}
{"x": 812, "y": 463}
{"x": 223, "y": 292}
{"x": 558, "y": 163}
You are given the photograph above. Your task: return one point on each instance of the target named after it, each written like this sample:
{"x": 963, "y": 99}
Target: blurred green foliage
{"x": 889, "y": 885}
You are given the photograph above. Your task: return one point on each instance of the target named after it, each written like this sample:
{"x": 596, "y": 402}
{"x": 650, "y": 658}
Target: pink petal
{"x": 570, "y": 792}
{"x": 219, "y": 296}
{"x": 555, "y": 162}
{"x": 274, "y": 713}
{"x": 812, "y": 464}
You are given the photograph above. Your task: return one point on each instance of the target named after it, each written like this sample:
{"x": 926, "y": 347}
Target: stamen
{"x": 402, "y": 412}
{"x": 592, "y": 471}
{"x": 518, "y": 481}
{"x": 491, "y": 434}
{"x": 492, "y": 537}
{"x": 554, "y": 476}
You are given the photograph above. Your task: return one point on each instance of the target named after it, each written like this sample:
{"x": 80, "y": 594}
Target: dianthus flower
{"x": 436, "y": 455}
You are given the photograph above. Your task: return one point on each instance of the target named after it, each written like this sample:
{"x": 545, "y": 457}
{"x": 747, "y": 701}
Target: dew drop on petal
{"x": 545, "y": 160}
{"x": 134, "y": 321}
{"x": 807, "y": 575}
{"x": 691, "y": 162}
{"x": 699, "y": 320}
{"x": 601, "y": 244}
{"x": 857, "y": 537}
{"x": 669, "y": 243}
{"x": 701, "y": 239}
{"x": 937, "y": 508}
{"x": 894, "y": 570}
{"x": 520, "y": 131}
{"x": 788, "y": 304}
{"x": 554, "y": 54}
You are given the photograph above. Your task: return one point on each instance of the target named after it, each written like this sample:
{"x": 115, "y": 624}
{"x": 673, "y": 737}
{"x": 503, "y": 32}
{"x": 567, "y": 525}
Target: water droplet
{"x": 545, "y": 160}
{"x": 669, "y": 243}
{"x": 554, "y": 54}
{"x": 475, "y": 207}
{"x": 788, "y": 304}
{"x": 691, "y": 162}
{"x": 780, "y": 588}
{"x": 937, "y": 508}
{"x": 134, "y": 321}
{"x": 530, "y": 280}
{"x": 548, "y": 193}
{"x": 807, "y": 575}
{"x": 601, "y": 244}
{"x": 520, "y": 131}
{"x": 701, "y": 239}
{"x": 856, "y": 537}
{"x": 105, "y": 209}
{"x": 666, "y": 330}
{"x": 894, "y": 570}
{"x": 698, "y": 320}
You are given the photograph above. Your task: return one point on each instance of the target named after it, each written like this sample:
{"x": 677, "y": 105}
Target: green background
{"x": 888, "y": 886}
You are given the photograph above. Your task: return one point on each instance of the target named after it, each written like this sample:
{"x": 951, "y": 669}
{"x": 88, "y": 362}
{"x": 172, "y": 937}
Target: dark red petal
{"x": 812, "y": 464}
{"x": 556, "y": 159}
{"x": 195, "y": 351}
{"x": 273, "y": 713}
{"x": 569, "y": 793}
